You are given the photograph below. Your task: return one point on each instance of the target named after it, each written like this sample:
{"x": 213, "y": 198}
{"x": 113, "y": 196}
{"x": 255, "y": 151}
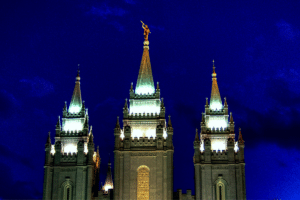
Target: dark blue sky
{"x": 255, "y": 44}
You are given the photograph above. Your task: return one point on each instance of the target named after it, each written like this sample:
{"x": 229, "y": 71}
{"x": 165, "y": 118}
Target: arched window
{"x": 143, "y": 183}
{"x": 220, "y": 191}
{"x": 67, "y": 191}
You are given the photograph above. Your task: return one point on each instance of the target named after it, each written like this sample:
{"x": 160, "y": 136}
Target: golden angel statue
{"x": 146, "y": 31}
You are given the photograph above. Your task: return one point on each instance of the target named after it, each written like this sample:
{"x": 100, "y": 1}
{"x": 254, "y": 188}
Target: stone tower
{"x": 144, "y": 146}
{"x": 71, "y": 165}
{"x": 218, "y": 159}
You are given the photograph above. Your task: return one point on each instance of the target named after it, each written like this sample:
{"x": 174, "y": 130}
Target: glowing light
{"x": 215, "y": 106}
{"x": 165, "y": 134}
{"x": 236, "y": 147}
{"x": 145, "y": 89}
{"x": 143, "y": 130}
{"x": 217, "y": 122}
{"x": 144, "y": 106}
{"x": 75, "y": 124}
{"x": 107, "y": 186}
{"x": 218, "y": 144}
{"x": 202, "y": 146}
{"x": 70, "y": 148}
{"x": 52, "y": 151}
{"x": 85, "y": 148}
{"x": 74, "y": 109}
{"x": 122, "y": 136}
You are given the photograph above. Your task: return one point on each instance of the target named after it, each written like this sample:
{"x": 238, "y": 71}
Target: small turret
{"x": 48, "y": 150}
{"x": 170, "y": 122}
{"x": 48, "y": 143}
{"x": 241, "y": 141}
{"x": 197, "y": 148}
{"x": 241, "y": 145}
{"x": 125, "y": 110}
{"x": 58, "y": 127}
{"x": 197, "y": 135}
{"x": 117, "y": 123}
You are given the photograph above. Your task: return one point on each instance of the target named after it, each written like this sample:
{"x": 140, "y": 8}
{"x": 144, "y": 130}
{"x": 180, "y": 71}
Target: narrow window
{"x": 143, "y": 183}
{"x": 220, "y": 192}
{"x": 67, "y": 192}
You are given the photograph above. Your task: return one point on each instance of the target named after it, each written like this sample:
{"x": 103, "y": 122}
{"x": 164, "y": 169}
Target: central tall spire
{"x": 145, "y": 84}
{"x": 215, "y": 99}
{"x": 76, "y": 101}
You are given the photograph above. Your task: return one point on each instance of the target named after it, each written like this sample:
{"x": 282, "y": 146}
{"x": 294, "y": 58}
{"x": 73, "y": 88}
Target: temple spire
{"x": 76, "y": 101}
{"x": 145, "y": 82}
{"x": 108, "y": 181}
{"x": 215, "y": 99}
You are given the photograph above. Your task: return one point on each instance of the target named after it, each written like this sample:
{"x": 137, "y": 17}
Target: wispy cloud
{"x": 286, "y": 30}
{"x": 106, "y": 10}
{"x": 39, "y": 86}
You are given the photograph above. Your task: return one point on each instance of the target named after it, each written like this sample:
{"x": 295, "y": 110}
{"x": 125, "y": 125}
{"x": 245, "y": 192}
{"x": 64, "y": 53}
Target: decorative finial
{"x": 231, "y": 118}
{"x": 49, "y": 138}
{"x": 146, "y": 34}
{"x": 214, "y": 68}
{"x": 241, "y": 141}
{"x": 125, "y": 105}
{"x": 162, "y": 103}
{"x": 65, "y": 107}
{"x": 169, "y": 122}
{"x": 131, "y": 86}
{"x": 225, "y": 102}
{"x": 206, "y": 103}
{"x": 157, "y": 86}
{"x": 78, "y": 73}
{"x": 58, "y": 123}
{"x": 196, "y": 136}
{"x": 118, "y": 123}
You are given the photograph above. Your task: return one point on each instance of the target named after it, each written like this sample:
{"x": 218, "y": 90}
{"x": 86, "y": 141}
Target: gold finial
{"x": 214, "y": 68}
{"x": 146, "y": 30}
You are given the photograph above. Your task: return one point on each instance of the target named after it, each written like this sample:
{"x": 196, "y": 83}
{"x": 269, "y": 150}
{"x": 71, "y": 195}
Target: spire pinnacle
{"x": 58, "y": 123}
{"x": 241, "y": 141}
{"x": 145, "y": 82}
{"x": 225, "y": 102}
{"x": 169, "y": 122}
{"x": 196, "y": 136}
{"x": 118, "y": 123}
{"x": 215, "y": 99}
{"x": 125, "y": 105}
{"x": 231, "y": 118}
{"x": 49, "y": 139}
{"x": 131, "y": 87}
{"x": 91, "y": 138}
{"x": 76, "y": 101}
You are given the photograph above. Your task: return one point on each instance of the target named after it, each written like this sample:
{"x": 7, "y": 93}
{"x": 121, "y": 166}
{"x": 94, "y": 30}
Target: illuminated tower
{"x": 218, "y": 159}
{"x": 71, "y": 164}
{"x": 144, "y": 146}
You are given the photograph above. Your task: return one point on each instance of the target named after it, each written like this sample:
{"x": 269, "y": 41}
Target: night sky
{"x": 255, "y": 45}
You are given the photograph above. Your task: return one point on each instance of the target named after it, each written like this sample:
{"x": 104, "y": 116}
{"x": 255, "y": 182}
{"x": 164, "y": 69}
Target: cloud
{"x": 106, "y": 10}
{"x": 130, "y": 1}
{"x": 117, "y": 25}
{"x": 39, "y": 86}
{"x": 286, "y": 30}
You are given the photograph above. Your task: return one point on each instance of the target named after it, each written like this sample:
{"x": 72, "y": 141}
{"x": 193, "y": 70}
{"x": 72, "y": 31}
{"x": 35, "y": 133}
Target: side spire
{"x": 145, "y": 82}
{"x": 241, "y": 141}
{"x": 76, "y": 101}
{"x": 169, "y": 122}
{"x": 196, "y": 136}
{"x": 108, "y": 181}
{"x": 215, "y": 99}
